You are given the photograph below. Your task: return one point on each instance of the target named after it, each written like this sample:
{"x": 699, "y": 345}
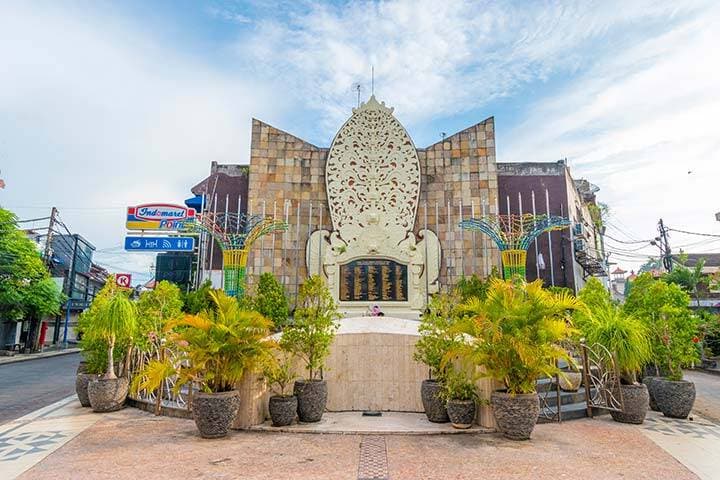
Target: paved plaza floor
{"x": 65, "y": 441}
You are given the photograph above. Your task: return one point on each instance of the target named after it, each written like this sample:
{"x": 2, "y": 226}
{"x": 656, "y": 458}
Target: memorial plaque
{"x": 373, "y": 280}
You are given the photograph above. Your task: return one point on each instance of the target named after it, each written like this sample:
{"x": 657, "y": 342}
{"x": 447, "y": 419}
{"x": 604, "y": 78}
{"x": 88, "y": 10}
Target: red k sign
{"x": 123, "y": 280}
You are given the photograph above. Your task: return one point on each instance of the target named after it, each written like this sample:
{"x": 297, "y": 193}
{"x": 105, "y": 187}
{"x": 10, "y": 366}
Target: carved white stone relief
{"x": 373, "y": 186}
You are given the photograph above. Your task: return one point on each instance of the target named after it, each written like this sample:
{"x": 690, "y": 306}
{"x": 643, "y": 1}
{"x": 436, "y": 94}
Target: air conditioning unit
{"x": 579, "y": 245}
{"x": 578, "y": 229}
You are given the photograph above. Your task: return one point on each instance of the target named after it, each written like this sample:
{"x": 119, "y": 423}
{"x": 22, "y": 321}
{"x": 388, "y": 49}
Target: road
{"x": 33, "y": 384}
{"x": 707, "y": 391}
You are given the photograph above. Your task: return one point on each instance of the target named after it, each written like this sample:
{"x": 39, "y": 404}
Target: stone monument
{"x": 372, "y": 256}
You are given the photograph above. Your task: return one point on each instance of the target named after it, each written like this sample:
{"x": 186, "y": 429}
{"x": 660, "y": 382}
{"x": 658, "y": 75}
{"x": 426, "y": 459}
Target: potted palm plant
{"x": 627, "y": 339}
{"x": 460, "y": 394}
{"x": 309, "y": 338}
{"x": 515, "y": 334}
{"x": 216, "y": 348}
{"x": 282, "y": 405}
{"x": 114, "y": 320}
{"x": 436, "y": 340}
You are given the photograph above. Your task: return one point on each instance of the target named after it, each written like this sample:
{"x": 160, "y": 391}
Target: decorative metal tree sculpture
{"x": 235, "y": 234}
{"x": 513, "y": 235}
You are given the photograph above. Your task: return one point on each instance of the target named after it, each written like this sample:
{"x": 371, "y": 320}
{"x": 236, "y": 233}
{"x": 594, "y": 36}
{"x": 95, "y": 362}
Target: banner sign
{"x": 123, "y": 280}
{"x": 159, "y": 216}
{"x": 160, "y": 244}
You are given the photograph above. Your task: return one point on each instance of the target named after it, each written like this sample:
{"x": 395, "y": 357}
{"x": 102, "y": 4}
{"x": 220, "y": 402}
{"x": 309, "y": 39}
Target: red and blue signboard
{"x": 159, "y": 216}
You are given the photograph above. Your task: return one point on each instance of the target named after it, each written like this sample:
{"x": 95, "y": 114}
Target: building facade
{"x": 562, "y": 258}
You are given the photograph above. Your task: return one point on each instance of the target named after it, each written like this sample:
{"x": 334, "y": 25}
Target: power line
{"x": 694, "y": 233}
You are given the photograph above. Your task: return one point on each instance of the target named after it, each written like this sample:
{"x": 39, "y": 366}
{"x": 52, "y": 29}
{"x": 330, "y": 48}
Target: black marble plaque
{"x": 371, "y": 280}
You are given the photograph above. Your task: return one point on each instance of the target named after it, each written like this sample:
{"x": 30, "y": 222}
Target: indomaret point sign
{"x": 159, "y": 216}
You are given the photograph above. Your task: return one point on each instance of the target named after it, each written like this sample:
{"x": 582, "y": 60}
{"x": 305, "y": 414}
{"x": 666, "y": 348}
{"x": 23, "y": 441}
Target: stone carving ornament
{"x": 373, "y": 187}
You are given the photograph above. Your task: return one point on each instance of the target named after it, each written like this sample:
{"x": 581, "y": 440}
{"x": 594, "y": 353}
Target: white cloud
{"x": 636, "y": 124}
{"x": 432, "y": 59}
{"x": 96, "y": 113}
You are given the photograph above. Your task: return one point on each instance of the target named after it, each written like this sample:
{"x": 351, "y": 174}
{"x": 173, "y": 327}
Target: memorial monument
{"x": 372, "y": 214}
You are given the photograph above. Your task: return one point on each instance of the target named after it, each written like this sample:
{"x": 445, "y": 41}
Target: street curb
{"x": 37, "y": 356}
{"x": 709, "y": 371}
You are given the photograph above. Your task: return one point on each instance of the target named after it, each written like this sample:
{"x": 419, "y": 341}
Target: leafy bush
{"x": 436, "y": 335}
{"x": 663, "y": 308}
{"x": 595, "y": 297}
{"x": 270, "y": 300}
{"x": 458, "y": 384}
{"x": 280, "y": 373}
{"x": 155, "y": 308}
{"x": 199, "y": 300}
{"x": 516, "y": 332}
{"x": 313, "y": 328}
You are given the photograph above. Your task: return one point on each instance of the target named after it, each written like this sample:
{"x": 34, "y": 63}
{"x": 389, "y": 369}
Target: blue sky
{"x": 105, "y": 104}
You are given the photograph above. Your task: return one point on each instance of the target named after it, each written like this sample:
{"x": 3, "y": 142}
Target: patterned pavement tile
{"x": 373, "y": 464}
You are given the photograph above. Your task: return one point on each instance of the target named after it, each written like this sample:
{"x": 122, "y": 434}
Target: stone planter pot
{"x": 311, "y": 398}
{"x": 570, "y": 381}
{"x": 650, "y": 384}
{"x": 515, "y": 415}
{"x": 214, "y": 412}
{"x": 675, "y": 399}
{"x": 107, "y": 395}
{"x": 283, "y": 410}
{"x": 432, "y": 403}
{"x": 461, "y": 413}
{"x": 635, "y": 404}
{"x": 82, "y": 367}
{"x": 81, "y": 387}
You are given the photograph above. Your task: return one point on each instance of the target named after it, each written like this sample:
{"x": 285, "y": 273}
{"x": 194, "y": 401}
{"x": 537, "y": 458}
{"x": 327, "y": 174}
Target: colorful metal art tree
{"x": 513, "y": 235}
{"x": 235, "y": 234}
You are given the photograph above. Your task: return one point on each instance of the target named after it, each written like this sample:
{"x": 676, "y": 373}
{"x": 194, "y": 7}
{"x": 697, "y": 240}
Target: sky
{"x": 109, "y": 104}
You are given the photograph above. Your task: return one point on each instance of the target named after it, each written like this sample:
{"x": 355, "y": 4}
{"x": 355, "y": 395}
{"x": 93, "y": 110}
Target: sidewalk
{"x": 22, "y": 357}
{"x": 72, "y": 442}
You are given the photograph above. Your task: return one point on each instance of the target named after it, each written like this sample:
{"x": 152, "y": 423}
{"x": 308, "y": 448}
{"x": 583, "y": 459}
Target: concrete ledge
{"x": 23, "y": 357}
{"x": 390, "y": 423}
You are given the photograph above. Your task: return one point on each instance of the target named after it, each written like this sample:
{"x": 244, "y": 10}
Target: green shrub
{"x": 155, "y": 308}
{"x": 436, "y": 335}
{"x": 312, "y": 331}
{"x": 199, "y": 300}
{"x": 458, "y": 384}
{"x": 663, "y": 308}
{"x": 270, "y": 300}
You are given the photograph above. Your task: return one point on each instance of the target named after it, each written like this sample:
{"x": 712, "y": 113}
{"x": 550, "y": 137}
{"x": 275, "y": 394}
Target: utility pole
{"x": 665, "y": 248}
{"x": 49, "y": 237}
{"x": 70, "y": 287}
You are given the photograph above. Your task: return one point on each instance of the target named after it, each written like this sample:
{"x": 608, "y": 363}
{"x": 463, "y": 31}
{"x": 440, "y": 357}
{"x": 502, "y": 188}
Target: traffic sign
{"x": 160, "y": 244}
{"x": 123, "y": 280}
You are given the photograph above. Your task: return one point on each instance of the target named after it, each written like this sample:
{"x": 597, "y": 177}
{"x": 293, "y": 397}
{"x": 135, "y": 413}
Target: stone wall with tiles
{"x": 364, "y": 371}
{"x": 287, "y": 181}
{"x": 459, "y": 180}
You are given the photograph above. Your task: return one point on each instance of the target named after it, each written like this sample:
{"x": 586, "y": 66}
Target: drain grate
{"x": 373, "y": 458}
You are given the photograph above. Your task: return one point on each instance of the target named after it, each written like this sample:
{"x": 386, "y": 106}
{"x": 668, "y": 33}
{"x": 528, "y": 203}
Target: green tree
{"x": 689, "y": 279}
{"x": 595, "y": 297}
{"x": 312, "y": 331}
{"x": 270, "y": 300}
{"x": 110, "y": 320}
{"x": 155, "y": 308}
{"x": 663, "y": 307}
{"x": 436, "y": 335}
{"x": 26, "y": 289}
{"x": 199, "y": 300}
